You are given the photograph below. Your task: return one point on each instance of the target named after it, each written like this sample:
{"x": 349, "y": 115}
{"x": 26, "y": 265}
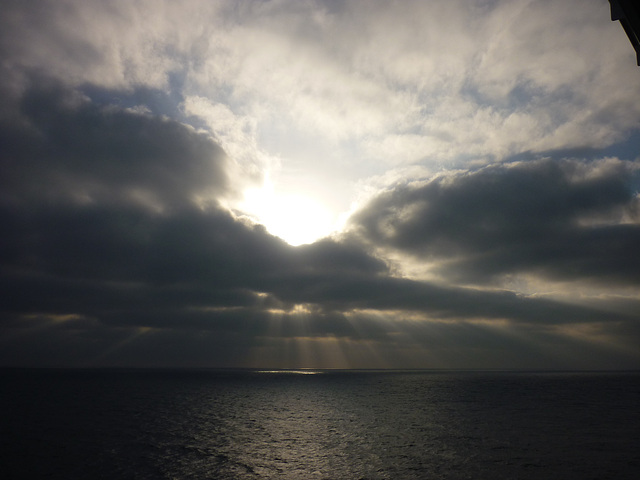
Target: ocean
{"x": 250, "y": 424}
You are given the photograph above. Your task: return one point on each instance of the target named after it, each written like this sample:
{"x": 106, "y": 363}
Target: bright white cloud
{"x": 313, "y": 90}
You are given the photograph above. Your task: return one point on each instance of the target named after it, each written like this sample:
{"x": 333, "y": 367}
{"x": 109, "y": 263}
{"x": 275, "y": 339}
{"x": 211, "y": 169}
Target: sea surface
{"x": 159, "y": 424}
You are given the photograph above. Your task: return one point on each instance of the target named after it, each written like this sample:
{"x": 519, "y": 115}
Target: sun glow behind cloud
{"x": 292, "y": 216}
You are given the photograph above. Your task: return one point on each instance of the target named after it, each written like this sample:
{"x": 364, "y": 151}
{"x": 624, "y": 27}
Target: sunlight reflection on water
{"x": 274, "y": 424}
{"x": 291, "y": 372}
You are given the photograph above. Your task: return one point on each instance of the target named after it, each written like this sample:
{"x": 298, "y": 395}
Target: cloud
{"x": 129, "y": 129}
{"x": 66, "y": 148}
{"x": 424, "y": 81}
{"x": 568, "y": 219}
{"x": 106, "y": 268}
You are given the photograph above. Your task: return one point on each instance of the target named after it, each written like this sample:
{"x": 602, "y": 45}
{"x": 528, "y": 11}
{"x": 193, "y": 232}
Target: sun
{"x": 295, "y": 217}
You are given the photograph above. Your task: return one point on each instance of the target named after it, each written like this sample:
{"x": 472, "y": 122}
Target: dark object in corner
{"x": 628, "y": 12}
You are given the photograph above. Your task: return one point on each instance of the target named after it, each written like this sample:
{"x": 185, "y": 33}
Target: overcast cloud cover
{"x": 473, "y": 167}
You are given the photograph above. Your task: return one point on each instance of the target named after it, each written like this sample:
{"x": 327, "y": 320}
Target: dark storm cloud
{"x": 565, "y": 219}
{"x": 67, "y": 149}
{"x": 205, "y": 269}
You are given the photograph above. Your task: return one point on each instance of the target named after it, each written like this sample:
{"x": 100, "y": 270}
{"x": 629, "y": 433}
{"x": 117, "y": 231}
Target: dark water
{"x": 339, "y": 425}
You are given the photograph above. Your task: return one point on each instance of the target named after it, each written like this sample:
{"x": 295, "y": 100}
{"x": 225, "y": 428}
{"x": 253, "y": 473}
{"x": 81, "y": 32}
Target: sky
{"x": 319, "y": 184}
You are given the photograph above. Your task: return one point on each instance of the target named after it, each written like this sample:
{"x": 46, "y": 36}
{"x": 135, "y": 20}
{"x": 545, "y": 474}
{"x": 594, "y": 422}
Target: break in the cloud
{"x": 488, "y": 152}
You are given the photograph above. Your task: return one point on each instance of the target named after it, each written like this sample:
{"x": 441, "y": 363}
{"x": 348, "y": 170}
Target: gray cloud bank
{"x": 562, "y": 219}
